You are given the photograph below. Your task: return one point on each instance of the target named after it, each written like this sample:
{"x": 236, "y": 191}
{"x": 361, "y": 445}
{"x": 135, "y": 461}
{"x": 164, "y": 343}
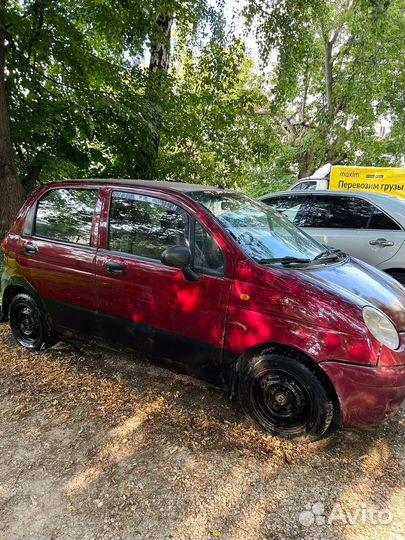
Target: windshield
{"x": 262, "y": 233}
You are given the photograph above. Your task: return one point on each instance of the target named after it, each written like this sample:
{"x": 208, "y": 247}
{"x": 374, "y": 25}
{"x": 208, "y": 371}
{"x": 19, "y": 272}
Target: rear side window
{"x": 293, "y": 207}
{"x": 334, "y": 212}
{"x": 66, "y": 215}
{"x": 145, "y": 226}
{"x": 381, "y": 221}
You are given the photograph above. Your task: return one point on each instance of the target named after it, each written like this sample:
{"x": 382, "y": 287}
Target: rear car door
{"x": 153, "y": 307}
{"x": 57, "y": 256}
{"x": 352, "y": 225}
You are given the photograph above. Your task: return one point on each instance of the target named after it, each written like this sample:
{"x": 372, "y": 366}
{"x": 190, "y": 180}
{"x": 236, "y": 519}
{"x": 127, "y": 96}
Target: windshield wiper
{"x": 329, "y": 255}
{"x": 285, "y": 260}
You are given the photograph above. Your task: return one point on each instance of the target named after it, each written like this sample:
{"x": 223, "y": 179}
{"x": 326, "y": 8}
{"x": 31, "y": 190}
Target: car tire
{"x": 285, "y": 397}
{"x": 28, "y": 324}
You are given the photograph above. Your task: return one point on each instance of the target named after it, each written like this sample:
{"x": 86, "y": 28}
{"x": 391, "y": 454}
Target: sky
{"x": 234, "y": 20}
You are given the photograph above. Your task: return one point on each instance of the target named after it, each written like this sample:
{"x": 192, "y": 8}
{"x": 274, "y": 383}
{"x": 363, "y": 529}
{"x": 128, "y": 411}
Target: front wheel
{"x": 28, "y": 324}
{"x": 285, "y": 397}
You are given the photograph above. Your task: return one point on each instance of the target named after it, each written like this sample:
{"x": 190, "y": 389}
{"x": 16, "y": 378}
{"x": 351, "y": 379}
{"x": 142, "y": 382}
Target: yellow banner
{"x": 386, "y": 180}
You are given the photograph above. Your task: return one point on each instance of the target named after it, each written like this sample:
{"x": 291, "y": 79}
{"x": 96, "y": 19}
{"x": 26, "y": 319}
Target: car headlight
{"x": 381, "y": 327}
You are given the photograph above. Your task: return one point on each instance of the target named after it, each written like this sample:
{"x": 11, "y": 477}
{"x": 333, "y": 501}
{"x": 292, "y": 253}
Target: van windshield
{"x": 263, "y": 234}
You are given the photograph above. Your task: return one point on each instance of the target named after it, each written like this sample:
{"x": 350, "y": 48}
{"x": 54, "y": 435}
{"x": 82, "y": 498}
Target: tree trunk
{"x": 32, "y": 177}
{"x": 155, "y": 89}
{"x": 328, "y": 44}
{"x": 306, "y": 164}
{"x": 160, "y": 47}
{"x": 11, "y": 190}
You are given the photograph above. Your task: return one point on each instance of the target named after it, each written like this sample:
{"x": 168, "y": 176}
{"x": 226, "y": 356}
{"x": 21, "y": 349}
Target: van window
{"x": 145, "y": 226}
{"x": 208, "y": 256}
{"x": 66, "y": 215}
{"x": 310, "y": 185}
{"x": 335, "y": 212}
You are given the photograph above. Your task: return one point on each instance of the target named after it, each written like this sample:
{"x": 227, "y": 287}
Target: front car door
{"x": 153, "y": 307}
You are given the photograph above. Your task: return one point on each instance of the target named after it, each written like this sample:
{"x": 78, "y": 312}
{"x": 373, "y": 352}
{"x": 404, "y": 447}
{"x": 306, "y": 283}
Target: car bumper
{"x": 367, "y": 395}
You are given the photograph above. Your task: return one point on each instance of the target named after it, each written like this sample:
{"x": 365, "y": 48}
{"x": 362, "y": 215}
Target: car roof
{"x": 394, "y": 206}
{"x": 148, "y": 184}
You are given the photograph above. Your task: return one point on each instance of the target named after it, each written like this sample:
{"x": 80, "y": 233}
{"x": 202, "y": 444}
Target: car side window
{"x": 66, "y": 215}
{"x": 335, "y": 212}
{"x": 305, "y": 186}
{"x": 145, "y": 226}
{"x": 290, "y": 206}
{"x": 208, "y": 256}
{"x": 380, "y": 220}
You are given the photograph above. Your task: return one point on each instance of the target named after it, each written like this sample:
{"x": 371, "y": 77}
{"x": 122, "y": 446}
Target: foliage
{"x": 211, "y": 128}
{"x": 76, "y": 82}
{"x": 338, "y": 74}
{"x": 82, "y": 102}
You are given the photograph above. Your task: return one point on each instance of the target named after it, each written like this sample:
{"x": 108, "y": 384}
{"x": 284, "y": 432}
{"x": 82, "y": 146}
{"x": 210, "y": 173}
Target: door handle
{"x": 30, "y": 249}
{"x": 381, "y": 242}
{"x": 115, "y": 268}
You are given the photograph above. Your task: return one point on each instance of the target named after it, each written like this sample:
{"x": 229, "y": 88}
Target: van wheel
{"x": 285, "y": 397}
{"x": 27, "y": 323}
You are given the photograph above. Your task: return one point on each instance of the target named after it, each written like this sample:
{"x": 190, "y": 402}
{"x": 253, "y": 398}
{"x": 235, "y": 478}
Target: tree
{"x": 189, "y": 18}
{"x": 327, "y": 96}
{"x": 11, "y": 190}
{"x": 66, "y": 74}
{"x": 211, "y": 131}
{"x": 79, "y": 98}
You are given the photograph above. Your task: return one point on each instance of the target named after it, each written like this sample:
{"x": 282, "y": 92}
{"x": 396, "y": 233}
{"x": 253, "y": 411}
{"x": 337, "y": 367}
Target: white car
{"x": 368, "y": 226}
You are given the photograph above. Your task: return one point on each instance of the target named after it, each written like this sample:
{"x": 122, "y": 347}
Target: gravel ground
{"x": 96, "y": 444}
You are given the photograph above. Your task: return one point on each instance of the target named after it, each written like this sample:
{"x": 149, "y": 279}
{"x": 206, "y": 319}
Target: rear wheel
{"x": 28, "y": 324}
{"x": 285, "y": 397}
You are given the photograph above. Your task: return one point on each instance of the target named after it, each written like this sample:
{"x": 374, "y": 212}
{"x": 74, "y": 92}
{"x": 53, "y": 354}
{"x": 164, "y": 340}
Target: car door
{"x": 347, "y": 223}
{"x": 153, "y": 307}
{"x": 58, "y": 256}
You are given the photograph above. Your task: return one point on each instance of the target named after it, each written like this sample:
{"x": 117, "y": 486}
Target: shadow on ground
{"x": 102, "y": 444}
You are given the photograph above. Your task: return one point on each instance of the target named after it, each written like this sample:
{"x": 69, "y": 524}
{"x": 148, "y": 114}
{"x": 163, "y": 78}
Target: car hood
{"x": 362, "y": 284}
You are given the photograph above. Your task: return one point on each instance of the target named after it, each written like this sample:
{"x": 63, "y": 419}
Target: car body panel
{"x": 358, "y": 244}
{"x": 367, "y": 395}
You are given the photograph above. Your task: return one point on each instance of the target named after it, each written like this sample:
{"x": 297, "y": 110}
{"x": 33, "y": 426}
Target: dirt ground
{"x": 96, "y": 444}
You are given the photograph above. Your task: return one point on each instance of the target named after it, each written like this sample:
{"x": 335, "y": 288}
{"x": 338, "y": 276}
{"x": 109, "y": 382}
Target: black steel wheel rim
{"x": 27, "y": 324}
{"x": 282, "y": 400}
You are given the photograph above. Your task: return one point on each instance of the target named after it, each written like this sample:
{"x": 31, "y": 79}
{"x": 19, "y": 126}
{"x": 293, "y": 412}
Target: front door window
{"x": 145, "y": 226}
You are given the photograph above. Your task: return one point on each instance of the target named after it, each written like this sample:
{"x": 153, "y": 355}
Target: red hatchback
{"x": 219, "y": 283}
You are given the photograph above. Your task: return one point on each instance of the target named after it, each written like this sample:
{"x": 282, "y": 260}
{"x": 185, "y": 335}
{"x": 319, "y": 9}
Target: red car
{"x": 219, "y": 283}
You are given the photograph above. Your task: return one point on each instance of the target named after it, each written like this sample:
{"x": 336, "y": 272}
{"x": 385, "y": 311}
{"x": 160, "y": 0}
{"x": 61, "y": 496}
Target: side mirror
{"x": 176, "y": 256}
{"x": 179, "y": 257}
